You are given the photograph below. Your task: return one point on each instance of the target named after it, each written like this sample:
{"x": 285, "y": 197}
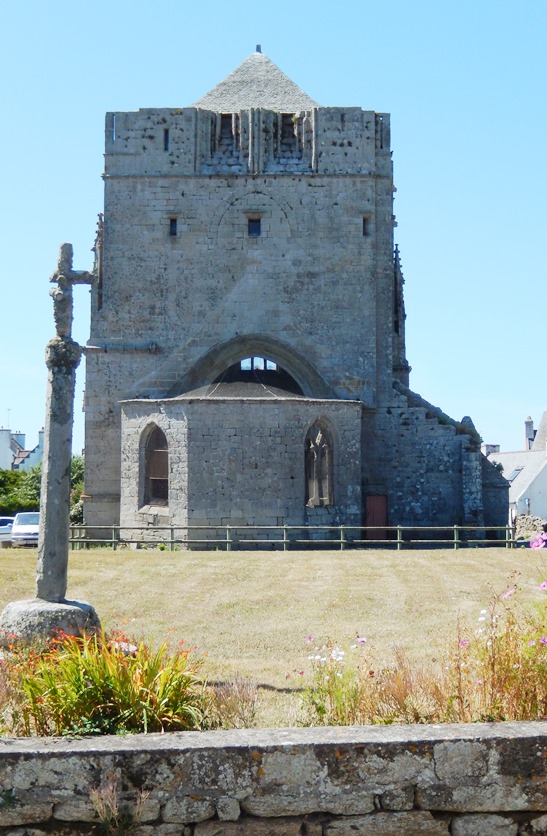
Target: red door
{"x": 376, "y": 515}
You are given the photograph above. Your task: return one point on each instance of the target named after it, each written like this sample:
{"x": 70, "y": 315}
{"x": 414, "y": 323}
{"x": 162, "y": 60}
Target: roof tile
{"x": 257, "y": 82}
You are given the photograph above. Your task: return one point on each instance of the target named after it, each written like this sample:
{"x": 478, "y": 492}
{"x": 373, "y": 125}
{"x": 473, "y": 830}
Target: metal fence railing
{"x": 286, "y": 537}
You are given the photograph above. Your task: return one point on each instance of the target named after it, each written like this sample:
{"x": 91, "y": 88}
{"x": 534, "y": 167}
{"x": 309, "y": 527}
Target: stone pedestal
{"x": 26, "y": 621}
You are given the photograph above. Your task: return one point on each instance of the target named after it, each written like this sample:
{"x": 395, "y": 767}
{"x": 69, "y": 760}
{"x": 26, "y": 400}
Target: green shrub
{"x": 103, "y": 685}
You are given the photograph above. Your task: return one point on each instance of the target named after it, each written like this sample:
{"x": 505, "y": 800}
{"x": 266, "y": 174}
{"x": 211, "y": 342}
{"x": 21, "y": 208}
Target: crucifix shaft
{"x": 62, "y": 358}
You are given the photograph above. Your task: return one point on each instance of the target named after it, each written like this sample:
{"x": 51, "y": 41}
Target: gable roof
{"x": 528, "y": 463}
{"x": 257, "y": 82}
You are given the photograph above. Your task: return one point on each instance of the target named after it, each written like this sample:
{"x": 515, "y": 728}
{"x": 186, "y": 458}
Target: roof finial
{"x": 259, "y": 48}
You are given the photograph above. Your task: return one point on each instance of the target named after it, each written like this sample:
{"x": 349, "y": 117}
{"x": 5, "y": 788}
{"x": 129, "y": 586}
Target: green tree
{"x": 29, "y": 487}
{"x": 20, "y": 489}
{"x": 9, "y": 486}
{"x": 76, "y": 489}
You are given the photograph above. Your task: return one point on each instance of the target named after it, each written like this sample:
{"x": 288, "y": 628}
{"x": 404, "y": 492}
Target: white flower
{"x": 337, "y": 654}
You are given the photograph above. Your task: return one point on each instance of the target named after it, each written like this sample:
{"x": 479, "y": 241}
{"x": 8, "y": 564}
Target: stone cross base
{"x": 37, "y": 619}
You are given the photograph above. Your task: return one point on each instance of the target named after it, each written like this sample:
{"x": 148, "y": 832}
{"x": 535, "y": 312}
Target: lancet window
{"x": 156, "y": 468}
{"x": 318, "y": 459}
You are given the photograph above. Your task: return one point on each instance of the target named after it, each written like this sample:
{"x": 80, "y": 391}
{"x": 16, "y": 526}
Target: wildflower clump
{"x": 347, "y": 688}
{"x": 99, "y": 684}
{"x": 539, "y": 540}
{"x": 496, "y": 671}
{"x": 499, "y": 672}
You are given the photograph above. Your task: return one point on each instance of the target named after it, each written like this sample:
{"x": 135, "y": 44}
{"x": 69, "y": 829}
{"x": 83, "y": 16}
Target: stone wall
{"x": 468, "y": 780}
{"x": 241, "y": 462}
{"x": 187, "y": 287}
{"x": 313, "y": 280}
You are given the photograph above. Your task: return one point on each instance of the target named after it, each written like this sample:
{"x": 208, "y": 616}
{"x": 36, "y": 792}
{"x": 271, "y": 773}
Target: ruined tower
{"x": 247, "y": 360}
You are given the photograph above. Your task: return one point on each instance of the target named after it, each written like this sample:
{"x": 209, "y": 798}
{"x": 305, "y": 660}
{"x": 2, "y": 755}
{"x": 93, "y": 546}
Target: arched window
{"x": 318, "y": 466}
{"x": 156, "y": 469}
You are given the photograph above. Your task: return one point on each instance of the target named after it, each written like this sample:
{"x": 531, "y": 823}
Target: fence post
{"x": 342, "y": 538}
{"x": 285, "y": 541}
{"x": 456, "y": 537}
{"x": 114, "y": 542}
{"x": 172, "y": 542}
{"x": 399, "y": 537}
{"x": 228, "y": 539}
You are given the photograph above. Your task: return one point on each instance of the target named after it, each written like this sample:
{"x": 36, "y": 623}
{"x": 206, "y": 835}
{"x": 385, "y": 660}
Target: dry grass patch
{"x": 250, "y": 612}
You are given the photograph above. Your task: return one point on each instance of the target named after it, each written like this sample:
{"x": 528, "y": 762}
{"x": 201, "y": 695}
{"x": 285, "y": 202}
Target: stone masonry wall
{"x": 314, "y": 278}
{"x": 240, "y": 462}
{"x": 429, "y": 471}
{"x": 468, "y": 780}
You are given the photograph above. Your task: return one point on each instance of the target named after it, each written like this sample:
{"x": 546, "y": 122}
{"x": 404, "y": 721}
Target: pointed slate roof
{"x": 540, "y": 441}
{"x": 257, "y": 82}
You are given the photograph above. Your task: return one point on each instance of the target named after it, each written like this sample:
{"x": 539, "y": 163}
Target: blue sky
{"x": 465, "y": 84}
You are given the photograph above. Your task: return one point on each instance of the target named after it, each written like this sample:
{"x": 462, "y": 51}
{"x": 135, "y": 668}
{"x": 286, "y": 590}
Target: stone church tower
{"x": 247, "y": 359}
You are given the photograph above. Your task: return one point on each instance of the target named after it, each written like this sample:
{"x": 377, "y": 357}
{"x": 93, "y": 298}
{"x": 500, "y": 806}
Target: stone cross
{"x": 62, "y": 357}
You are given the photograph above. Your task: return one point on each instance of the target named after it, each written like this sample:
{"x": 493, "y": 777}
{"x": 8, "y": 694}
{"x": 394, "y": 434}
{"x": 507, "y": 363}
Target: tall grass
{"x": 496, "y": 671}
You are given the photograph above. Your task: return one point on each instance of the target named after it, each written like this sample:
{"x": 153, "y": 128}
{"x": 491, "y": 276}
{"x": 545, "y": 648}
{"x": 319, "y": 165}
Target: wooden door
{"x": 376, "y": 515}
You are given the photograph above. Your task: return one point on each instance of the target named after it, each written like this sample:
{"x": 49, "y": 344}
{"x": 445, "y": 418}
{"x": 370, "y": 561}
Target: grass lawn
{"x": 250, "y": 612}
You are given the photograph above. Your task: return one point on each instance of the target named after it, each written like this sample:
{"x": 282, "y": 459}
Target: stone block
{"x": 388, "y": 824}
{"x": 185, "y": 809}
{"x": 483, "y": 825}
{"x": 251, "y": 827}
{"x": 228, "y": 809}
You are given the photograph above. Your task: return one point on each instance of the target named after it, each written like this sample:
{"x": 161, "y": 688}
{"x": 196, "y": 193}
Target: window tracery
{"x": 318, "y": 463}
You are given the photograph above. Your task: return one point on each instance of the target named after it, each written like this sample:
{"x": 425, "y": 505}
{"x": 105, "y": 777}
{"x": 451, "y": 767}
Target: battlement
{"x": 193, "y": 141}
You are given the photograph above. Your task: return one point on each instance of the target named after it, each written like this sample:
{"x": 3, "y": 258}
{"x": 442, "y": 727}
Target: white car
{"x": 5, "y": 532}
{"x": 24, "y": 531}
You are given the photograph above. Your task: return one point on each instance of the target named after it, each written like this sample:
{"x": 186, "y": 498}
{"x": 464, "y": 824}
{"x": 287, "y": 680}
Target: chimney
{"x": 529, "y": 433}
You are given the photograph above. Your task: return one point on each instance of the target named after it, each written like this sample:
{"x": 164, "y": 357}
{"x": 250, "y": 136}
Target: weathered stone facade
{"x": 482, "y": 779}
{"x": 257, "y": 224}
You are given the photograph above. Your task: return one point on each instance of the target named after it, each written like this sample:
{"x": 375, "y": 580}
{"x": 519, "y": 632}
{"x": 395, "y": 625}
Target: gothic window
{"x": 156, "y": 468}
{"x": 318, "y": 457}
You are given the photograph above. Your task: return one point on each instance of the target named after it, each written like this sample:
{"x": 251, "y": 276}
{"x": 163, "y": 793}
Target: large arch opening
{"x": 299, "y": 376}
{"x": 263, "y": 371}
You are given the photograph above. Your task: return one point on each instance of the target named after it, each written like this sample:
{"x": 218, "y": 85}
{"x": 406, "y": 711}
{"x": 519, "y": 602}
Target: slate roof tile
{"x": 257, "y": 82}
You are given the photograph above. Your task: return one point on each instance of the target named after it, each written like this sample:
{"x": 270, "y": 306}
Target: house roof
{"x": 257, "y": 82}
{"x": 540, "y": 440}
{"x": 523, "y": 465}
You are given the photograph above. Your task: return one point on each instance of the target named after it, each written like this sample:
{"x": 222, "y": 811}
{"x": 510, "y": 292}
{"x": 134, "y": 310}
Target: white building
{"x": 526, "y": 471}
{"x": 14, "y": 456}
